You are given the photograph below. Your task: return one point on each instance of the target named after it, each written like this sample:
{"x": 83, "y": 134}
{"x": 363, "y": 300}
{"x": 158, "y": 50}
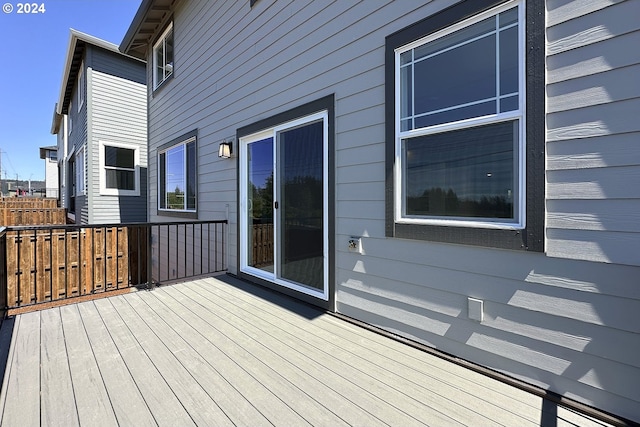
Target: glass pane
{"x": 406, "y": 92}
{"x": 302, "y": 205}
{"x": 119, "y": 157}
{"x": 476, "y": 30}
{"x": 508, "y": 17}
{"x": 159, "y": 63}
{"x": 509, "y": 61}
{"x": 477, "y": 110}
{"x": 168, "y": 59}
{"x": 121, "y": 179}
{"x": 175, "y": 178}
{"x": 509, "y": 103}
{"x": 463, "y": 173}
{"x": 459, "y": 76}
{"x": 192, "y": 167}
{"x": 405, "y": 57}
{"x": 260, "y": 234}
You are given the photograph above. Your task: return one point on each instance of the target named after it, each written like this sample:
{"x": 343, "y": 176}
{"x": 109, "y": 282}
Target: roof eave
{"x": 55, "y": 121}
{"x": 71, "y": 62}
{"x": 150, "y": 19}
{"x": 126, "y": 44}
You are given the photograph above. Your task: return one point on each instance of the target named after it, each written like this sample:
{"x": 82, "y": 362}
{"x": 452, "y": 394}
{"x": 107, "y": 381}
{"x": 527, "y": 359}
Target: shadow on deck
{"x": 219, "y": 351}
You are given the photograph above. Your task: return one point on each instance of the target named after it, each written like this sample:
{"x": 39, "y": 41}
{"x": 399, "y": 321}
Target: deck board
{"x": 218, "y": 351}
{"x": 464, "y": 399}
{"x": 332, "y": 377}
{"x": 128, "y": 403}
{"x": 92, "y": 401}
{"x": 22, "y": 403}
{"x": 229, "y": 399}
{"x": 158, "y": 396}
{"x": 58, "y": 403}
{"x": 197, "y": 403}
{"x": 234, "y": 349}
{"x": 246, "y": 386}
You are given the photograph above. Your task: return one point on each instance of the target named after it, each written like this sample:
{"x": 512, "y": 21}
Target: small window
{"x": 177, "y": 165}
{"x": 119, "y": 169}
{"x": 53, "y": 156}
{"x": 163, "y": 57}
{"x": 70, "y": 118}
{"x": 81, "y": 87}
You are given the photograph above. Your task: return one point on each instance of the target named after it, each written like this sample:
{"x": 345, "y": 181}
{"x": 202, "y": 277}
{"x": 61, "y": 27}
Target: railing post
{"x": 149, "y": 229}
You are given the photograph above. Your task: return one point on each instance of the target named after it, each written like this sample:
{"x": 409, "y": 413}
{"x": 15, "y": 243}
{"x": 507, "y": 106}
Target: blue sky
{"x": 32, "y": 53}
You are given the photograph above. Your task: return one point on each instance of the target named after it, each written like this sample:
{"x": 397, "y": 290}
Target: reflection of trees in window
{"x": 438, "y": 202}
{"x": 262, "y": 201}
{"x": 175, "y": 199}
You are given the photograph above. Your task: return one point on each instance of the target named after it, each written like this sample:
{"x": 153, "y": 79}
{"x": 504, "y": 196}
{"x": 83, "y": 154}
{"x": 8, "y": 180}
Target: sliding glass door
{"x": 284, "y": 205}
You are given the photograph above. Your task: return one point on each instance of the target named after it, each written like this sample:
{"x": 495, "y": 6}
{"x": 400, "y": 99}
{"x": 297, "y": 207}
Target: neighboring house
{"x": 50, "y": 157}
{"x": 101, "y": 123}
{"x": 59, "y": 128}
{"x": 462, "y": 174}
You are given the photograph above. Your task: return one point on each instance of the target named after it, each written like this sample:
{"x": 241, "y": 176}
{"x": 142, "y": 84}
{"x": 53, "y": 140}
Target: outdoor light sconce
{"x": 225, "y": 150}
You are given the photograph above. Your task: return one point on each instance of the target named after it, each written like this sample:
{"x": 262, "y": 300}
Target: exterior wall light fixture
{"x": 225, "y": 150}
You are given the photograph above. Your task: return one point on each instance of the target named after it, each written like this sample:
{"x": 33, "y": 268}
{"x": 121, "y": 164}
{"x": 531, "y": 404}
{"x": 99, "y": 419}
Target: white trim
{"x": 243, "y": 220}
{"x": 399, "y": 178}
{"x": 161, "y": 41}
{"x": 81, "y": 86}
{"x": 81, "y": 172}
{"x": 104, "y": 191}
{"x": 185, "y": 142}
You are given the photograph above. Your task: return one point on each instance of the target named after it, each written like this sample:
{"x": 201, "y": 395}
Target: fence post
{"x": 3, "y": 271}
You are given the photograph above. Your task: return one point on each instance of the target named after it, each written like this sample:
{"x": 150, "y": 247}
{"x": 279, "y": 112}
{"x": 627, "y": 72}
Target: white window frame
{"x": 70, "y": 119}
{"x": 519, "y": 115}
{"x": 161, "y": 44}
{"x": 80, "y": 172}
{"x": 273, "y": 133}
{"x": 160, "y": 195}
{"x": 103, "y": 169}
{"x": 81, "y": 86}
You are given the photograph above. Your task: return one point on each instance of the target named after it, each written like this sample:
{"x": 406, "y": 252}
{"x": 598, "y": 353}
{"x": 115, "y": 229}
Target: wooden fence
{"x": 262, "y": 245}
{"x": 32, "y": 216}
{"x": 44, "y": 265}
{"x": 28, "y": 202}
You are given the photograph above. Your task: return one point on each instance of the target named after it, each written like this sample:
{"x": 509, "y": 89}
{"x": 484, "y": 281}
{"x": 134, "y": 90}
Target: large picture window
{"x": 177, "y": 166}
{"x": 458, "y": 101}
{"x": 163, "y": 57}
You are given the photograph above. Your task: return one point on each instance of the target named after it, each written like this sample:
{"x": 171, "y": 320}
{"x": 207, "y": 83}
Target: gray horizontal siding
{"x": 593, "y": 159}
{"x": 118, "y": 115}
{"x": 550, "y": 319}
{"x": 117, "y": 65}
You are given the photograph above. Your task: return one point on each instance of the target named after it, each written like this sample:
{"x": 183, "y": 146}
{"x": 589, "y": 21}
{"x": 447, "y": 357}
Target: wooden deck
{"x": 218, "y": 352}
